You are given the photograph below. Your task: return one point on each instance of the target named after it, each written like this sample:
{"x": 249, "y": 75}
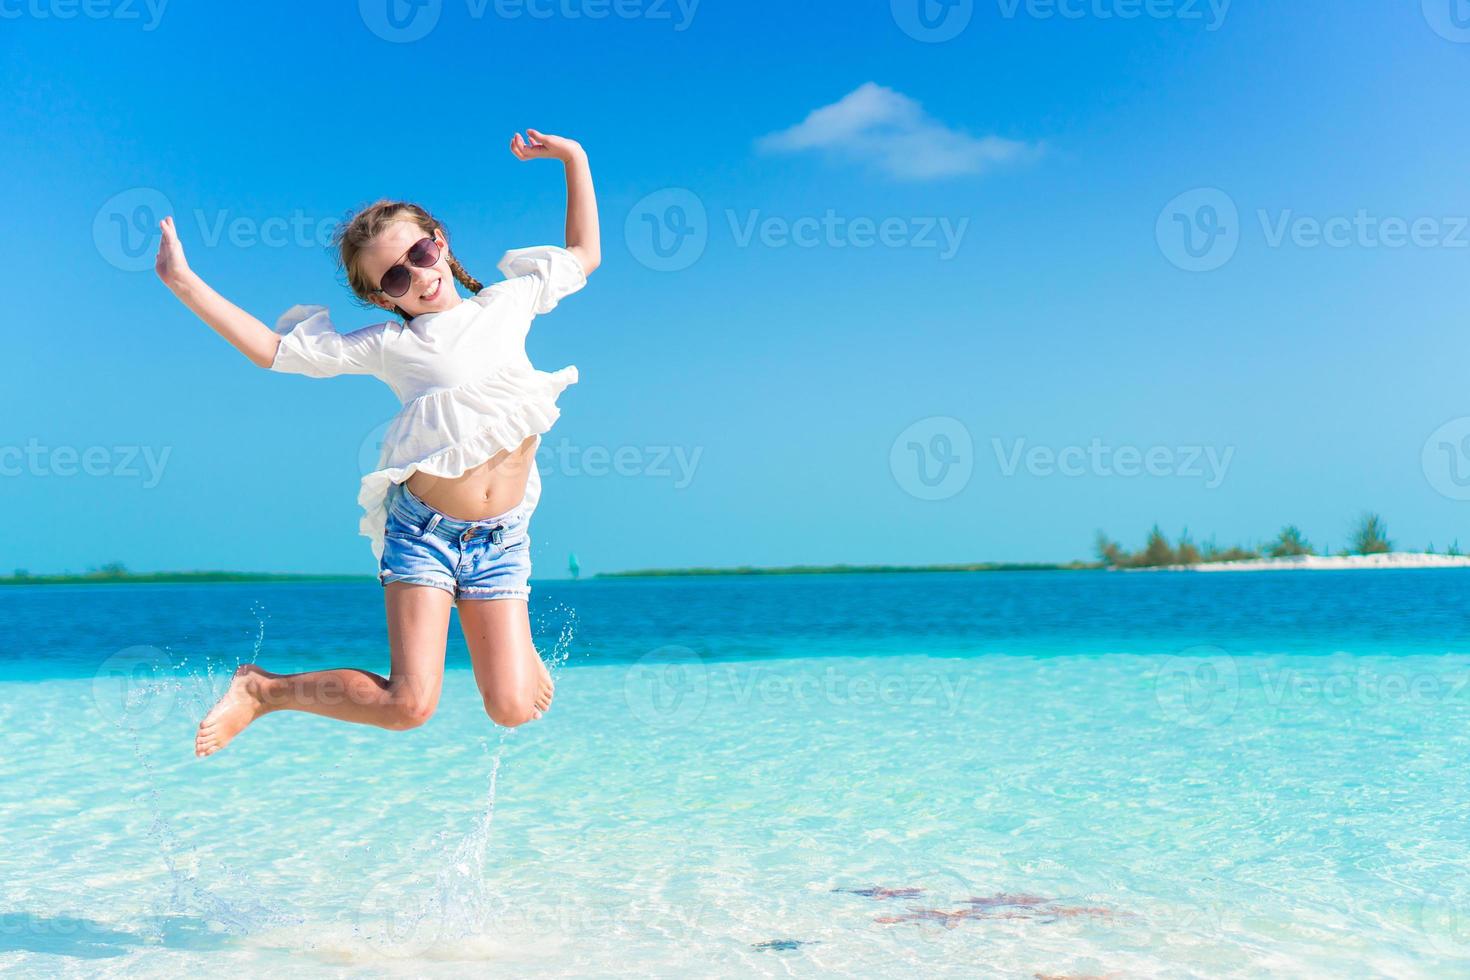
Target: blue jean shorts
{"x": 486, "y": 559}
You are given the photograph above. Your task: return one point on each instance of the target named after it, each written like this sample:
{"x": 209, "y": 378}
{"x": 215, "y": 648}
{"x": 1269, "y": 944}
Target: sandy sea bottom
{"x": 1198, "y": 813}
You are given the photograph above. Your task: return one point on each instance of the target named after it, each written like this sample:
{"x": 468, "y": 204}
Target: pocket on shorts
{"x": 401, "y": 527}
{"x": 517, "y": 536}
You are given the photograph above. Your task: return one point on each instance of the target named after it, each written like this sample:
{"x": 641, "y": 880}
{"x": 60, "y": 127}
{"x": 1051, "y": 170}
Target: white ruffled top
{"x": 467, "y": 387}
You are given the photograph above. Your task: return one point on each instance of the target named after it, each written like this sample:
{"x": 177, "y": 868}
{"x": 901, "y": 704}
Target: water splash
{"x": 446, "y": 898}
{"x": 462, "y": 879}
{"x": 257, "y": 609}
{"x": 566, "y": 632}
{"x": 188, "y": 894}
{"x": 458, "y": 904}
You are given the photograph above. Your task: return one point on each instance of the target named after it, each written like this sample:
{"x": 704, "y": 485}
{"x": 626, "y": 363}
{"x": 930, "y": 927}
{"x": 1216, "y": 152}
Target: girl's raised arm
{"x": 251, "y": 337}
{"x": 583, "y": 237}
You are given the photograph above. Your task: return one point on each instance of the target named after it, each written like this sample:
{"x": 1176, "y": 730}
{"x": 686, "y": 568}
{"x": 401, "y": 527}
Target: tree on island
{"x": 1213, "y": 553}
{"x": 1290, "y": 543}
{"x": 1371, "y": 536}
{"x": 1186, "y": 553}
{"x": 1157, "y": 550}
{"x": 1109, "y": 552}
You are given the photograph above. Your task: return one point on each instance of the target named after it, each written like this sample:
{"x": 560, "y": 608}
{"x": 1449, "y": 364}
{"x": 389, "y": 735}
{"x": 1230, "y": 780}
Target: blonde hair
{"x": 356, "y": 233}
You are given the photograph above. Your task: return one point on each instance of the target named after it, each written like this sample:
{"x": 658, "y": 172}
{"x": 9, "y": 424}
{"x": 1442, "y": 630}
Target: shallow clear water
{"x": 1057, "y": 773}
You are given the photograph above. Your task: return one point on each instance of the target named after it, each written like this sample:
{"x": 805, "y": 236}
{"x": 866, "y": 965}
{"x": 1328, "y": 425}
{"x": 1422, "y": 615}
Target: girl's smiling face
{"x": 431, "y": 289}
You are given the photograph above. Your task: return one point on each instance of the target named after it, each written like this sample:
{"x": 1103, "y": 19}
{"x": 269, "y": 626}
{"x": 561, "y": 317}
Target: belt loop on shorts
{"x": 433, "y": 523}
{"x": 496, "y": 533}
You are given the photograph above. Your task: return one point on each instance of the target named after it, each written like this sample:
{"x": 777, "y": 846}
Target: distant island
{"x": 836, "y": 569}
{"x": 116, "y": 573}
{"x": 1388, "y": 559}
{"x": 1368, "y": 547}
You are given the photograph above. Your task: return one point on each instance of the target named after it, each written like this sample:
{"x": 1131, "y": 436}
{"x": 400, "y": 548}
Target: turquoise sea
{"x": 995, "y": 774}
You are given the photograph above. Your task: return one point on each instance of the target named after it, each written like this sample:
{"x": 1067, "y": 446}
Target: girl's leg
{"x": 514, "y": 683}
{"x": 418, "y": 627}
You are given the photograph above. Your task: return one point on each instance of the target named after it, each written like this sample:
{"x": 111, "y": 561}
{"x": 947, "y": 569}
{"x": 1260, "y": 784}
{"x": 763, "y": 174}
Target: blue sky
{"x": 803, "y": 367}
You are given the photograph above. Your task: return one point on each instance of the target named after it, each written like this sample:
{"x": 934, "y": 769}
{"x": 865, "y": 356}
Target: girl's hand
{"x": 170, "y": 264}
{"x": 582, "y": 233}
{"x": 544, "y": 146}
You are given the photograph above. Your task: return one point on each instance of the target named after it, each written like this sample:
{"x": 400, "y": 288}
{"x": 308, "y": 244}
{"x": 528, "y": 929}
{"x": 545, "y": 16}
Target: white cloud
{"x": 889, "y": 130}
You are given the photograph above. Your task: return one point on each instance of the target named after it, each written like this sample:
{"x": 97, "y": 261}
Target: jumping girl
{"x": 448, "y": 507}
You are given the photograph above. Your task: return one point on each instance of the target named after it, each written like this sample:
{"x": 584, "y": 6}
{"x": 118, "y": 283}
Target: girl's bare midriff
{"x": 488, "y": 490}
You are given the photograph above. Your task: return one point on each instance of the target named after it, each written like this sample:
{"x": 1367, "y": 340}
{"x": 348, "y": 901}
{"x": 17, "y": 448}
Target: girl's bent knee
{"x": 510, "y": 713}
{"x": 404, "y": 715}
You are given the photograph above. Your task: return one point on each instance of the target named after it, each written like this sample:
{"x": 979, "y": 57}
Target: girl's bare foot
{"x": 242, "y": 703}
{"x": 544, "y": 689}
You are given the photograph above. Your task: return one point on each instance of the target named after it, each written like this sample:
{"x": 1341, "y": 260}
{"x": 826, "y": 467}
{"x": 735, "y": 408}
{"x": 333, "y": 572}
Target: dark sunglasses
{"x": 424, "y": 253}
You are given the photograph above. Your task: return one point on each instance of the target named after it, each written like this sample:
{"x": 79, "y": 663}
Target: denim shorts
{"x": 486, "y": 559}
